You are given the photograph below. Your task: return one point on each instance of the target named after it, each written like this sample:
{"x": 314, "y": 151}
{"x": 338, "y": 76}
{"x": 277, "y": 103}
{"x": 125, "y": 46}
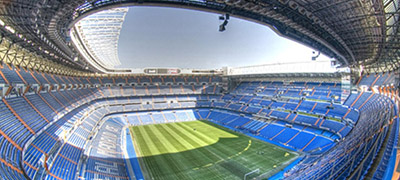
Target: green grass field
{"x": 203, "y": 150}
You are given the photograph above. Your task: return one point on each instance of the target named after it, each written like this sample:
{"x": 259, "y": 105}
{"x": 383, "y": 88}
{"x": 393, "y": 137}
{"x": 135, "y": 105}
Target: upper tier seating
{"x": 11, "y": 75}
{"x": 377, "y": 79}
{"x": 321, "y": 91}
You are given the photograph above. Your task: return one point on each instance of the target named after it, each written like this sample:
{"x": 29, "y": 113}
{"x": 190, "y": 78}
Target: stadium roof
{"x": 288, "y": 67}
{"x": 100, "y": 32}
{"x": 353, "y": 32}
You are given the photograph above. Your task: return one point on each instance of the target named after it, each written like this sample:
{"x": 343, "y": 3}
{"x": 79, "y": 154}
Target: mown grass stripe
{"x": 180, "y": 159}
{"x": 201, "y": 155}
{"x": 157, "y": 160}
{"x": 175, "y": 150}
{"x": 220, "y": 150}
{"x": 189, "y": 134}
{"x": 172, "y": 158}
{"x": 150, "y": 163}
{"x": 195, "y": 157}
{"x": 225, "y": 147}
{"x": 168, "y": 162}
{"x": 137, "y": 138}
{"x": 187, "y": 143}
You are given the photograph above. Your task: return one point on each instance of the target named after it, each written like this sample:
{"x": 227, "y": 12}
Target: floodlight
{"x": 222, "y": 26}
{"x": 315, "y": 57}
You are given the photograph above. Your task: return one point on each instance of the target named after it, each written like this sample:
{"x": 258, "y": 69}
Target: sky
{"x": 173, "y": 37}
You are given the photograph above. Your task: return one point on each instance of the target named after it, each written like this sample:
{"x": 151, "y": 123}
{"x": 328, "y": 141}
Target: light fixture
{"x": 9, "y": 28}
{"x": 315, "y": 57}
{"x": 225, "y": 19}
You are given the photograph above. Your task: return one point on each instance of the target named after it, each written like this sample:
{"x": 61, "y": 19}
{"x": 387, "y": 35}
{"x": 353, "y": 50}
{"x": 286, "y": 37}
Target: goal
{"x": 252, "y": 172}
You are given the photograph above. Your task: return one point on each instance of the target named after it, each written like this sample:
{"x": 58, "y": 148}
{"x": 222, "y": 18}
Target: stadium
{"x": 67, "y": 113}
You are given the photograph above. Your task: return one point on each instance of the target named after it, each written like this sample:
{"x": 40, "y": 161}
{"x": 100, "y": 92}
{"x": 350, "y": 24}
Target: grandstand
{"x": 67, "y": 113}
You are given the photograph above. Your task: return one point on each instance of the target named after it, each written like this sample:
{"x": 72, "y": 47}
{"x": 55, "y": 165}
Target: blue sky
{"x": 171, "y": 37}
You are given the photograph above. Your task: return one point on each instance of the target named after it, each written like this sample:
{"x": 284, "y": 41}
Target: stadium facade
{"x": 64, "y": 109}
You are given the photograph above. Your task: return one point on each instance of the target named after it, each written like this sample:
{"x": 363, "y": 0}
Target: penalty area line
{"x": 222, "y": 160}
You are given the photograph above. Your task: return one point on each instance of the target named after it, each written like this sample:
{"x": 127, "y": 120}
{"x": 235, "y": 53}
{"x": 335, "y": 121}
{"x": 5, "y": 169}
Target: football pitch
{"x": 204, "y": 150}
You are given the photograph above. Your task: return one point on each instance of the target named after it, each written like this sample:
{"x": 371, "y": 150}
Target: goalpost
{"x": 252, "y": 172}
